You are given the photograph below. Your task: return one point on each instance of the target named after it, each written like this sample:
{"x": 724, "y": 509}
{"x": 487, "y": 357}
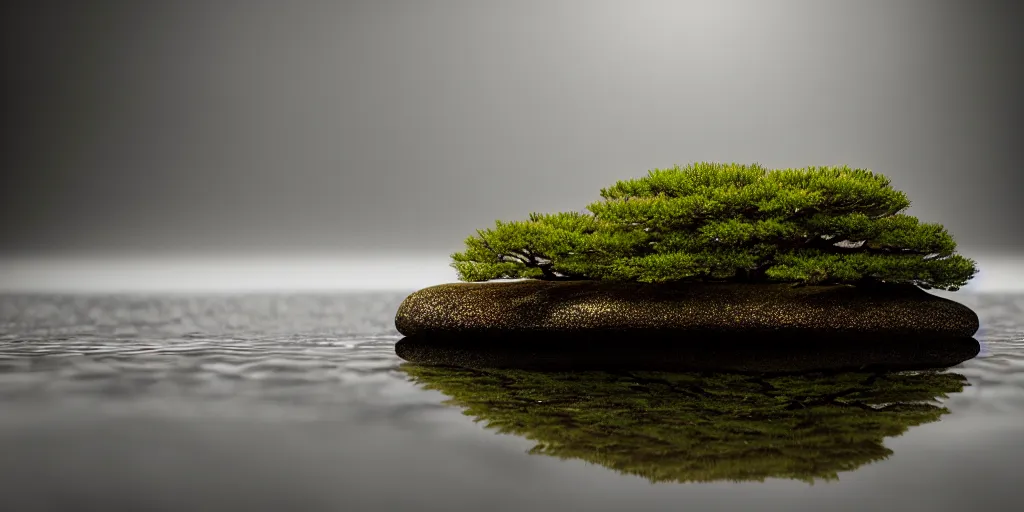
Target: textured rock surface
{"x": 534, "y": 307}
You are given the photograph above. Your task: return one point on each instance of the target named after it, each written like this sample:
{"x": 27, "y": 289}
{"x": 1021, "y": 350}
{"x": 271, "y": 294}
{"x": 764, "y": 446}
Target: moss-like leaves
{"x": 709, "y": 221}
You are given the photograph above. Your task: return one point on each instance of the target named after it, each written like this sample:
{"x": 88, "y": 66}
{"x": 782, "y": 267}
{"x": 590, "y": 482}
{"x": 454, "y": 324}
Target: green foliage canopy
{"x": 731, "y": 222}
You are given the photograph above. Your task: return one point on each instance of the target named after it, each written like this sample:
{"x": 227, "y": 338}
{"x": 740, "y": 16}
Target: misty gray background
{"x": 392, "y": 128}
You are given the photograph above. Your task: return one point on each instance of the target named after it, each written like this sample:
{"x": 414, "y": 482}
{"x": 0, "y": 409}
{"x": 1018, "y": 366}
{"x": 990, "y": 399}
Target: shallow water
{"x": 261, "y": 402}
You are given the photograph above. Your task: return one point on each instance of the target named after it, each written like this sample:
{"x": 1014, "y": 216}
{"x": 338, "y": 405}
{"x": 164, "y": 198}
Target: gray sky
{"x": 402, "y": 126}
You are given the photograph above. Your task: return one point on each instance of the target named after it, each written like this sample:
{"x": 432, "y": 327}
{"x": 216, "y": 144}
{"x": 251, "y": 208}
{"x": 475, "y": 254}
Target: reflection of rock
{"x": 762, "y": 353}
{"x": 689, "y": 427}
{"x": 570, "y": 307}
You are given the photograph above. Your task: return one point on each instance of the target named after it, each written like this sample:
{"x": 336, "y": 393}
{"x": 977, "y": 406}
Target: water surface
{"x": 261, "y": 402}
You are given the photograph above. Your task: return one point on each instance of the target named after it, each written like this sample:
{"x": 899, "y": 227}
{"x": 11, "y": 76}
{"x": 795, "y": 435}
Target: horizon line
{"x": 296, "y": 273}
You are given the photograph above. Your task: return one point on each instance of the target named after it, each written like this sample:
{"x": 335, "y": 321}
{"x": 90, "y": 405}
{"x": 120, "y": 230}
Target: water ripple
{"x": 297, "y": 356}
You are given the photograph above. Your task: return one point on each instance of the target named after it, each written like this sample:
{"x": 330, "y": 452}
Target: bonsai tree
{"x": 728, "y": 222}
{"x": 693, "y": 427}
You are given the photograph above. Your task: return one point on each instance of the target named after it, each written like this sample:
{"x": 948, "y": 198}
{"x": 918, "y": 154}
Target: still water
{"x": 298, "y": 402}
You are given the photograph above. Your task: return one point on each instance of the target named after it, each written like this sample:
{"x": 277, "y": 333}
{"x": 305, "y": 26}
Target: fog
{"x": 262, "y": 143}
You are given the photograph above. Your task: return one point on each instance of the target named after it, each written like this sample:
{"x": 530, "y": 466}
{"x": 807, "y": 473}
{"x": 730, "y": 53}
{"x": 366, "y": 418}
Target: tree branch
{"x": 829, "y": 246}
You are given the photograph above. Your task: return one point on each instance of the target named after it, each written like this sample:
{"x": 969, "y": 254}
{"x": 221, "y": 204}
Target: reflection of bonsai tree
{"x": 732, "y": 222}
{"x": 686, "y": 427}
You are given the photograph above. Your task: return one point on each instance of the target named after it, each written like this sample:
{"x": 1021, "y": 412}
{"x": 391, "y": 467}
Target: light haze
{"x": 345, "y": 132}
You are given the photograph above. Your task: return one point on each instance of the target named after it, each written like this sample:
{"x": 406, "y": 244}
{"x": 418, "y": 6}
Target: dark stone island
{"x": 581, "y": 325}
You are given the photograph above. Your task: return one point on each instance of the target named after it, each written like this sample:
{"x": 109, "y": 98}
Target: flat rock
{"x": 688, "y": 311}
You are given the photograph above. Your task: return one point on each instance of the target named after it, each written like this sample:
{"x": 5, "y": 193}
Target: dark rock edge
{"x": 766, "y": 353}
